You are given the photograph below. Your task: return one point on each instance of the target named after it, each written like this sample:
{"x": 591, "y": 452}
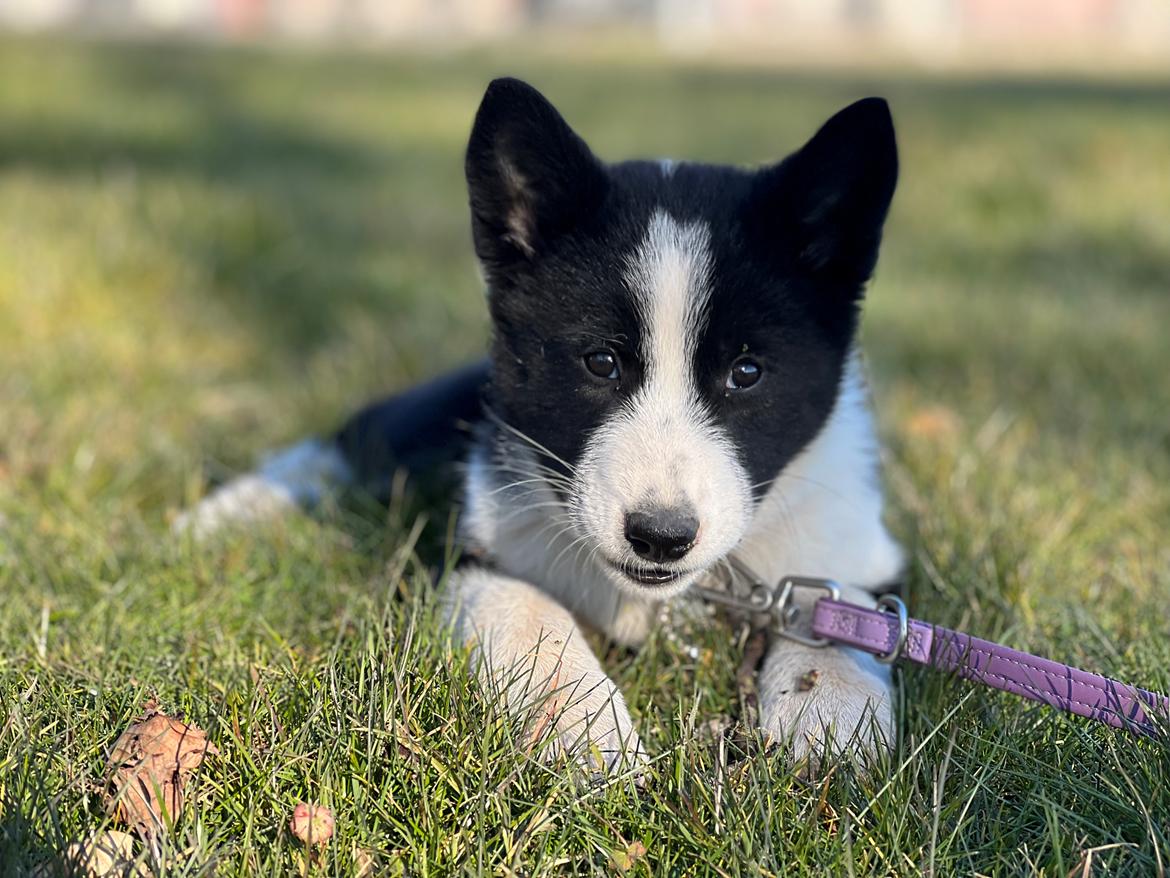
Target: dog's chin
{"x": 649, "y": 581}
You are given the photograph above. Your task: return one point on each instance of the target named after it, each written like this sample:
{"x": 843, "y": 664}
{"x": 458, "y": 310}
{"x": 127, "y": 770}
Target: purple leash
{"x": 890, "y": 634}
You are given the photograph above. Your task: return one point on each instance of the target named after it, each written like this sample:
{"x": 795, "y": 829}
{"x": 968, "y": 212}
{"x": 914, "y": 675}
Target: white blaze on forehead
{"x": 670, "y": 276}
{"x": 662, "y": 449}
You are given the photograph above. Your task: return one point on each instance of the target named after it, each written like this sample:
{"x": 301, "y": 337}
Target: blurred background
{"x": 936, "y": 30}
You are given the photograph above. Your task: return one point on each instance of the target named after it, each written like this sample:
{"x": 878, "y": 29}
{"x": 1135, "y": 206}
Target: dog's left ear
{"x": 530, "y": 178}
{"x": 821, "y": 209}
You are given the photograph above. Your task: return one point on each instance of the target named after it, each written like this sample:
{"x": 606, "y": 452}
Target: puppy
{"x": 673, "y": 382}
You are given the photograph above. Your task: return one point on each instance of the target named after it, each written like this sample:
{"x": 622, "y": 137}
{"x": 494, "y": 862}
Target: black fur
{"x": 423, "y": 431}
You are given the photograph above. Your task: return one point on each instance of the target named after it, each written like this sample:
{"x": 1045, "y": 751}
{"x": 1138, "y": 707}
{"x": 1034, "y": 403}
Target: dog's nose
{"x": 661, "y": 534}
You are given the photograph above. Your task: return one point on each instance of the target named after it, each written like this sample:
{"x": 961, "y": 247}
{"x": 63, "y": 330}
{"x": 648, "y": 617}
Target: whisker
{"x": 561, "y": 554}
{"x": 547, "y": 504}
{"x": 793, "y": 477}
{"x": 535, "y": 477}
{"x": 538, "y": 480}
{"x": 528, "y": 464}
{"x": 495, "y": 418}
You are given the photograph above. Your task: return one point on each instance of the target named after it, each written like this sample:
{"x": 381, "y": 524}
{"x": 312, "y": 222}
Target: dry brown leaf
{"x": 149, "y": 766}
{"x": 104, "y": 855}
{"x": 312, "y": 824}
{"x": 935, "y": 422}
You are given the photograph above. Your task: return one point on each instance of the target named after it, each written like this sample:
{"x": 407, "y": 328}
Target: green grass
{"x": 207, "y": 253}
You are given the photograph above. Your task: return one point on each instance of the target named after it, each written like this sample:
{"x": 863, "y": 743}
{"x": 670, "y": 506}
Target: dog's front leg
{"x": 531, "y": 652}
{"x": 825, "y": 701}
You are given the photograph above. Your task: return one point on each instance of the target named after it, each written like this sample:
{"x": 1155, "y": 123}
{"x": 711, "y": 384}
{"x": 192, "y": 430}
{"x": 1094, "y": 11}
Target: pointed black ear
{"x": 529, "y": 176}
{"x": 824, "y": 205}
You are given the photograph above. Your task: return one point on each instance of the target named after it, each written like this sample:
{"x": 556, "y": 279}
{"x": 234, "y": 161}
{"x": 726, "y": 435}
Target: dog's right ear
{"x": 530, "y": 178}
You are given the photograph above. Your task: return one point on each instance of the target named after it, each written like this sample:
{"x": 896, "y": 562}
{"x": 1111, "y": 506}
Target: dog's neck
{"x": 822, "y": 516}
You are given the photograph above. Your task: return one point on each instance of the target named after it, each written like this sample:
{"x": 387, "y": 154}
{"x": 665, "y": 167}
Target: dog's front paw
{"x": 531, "y": 655}
{"x": 825, "y": 703}
{"x": 592, "y": 726}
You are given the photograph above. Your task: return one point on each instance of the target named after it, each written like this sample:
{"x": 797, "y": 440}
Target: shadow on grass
{"x": 23, "y": 850}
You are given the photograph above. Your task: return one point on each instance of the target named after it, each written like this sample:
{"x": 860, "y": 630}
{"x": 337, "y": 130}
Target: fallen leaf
{"x": 149, "y": 766}
{"x": 104, "y": 855}
{"x": 625, "y": 860}
{"x": 935, "y": 422}
{"x": 312, "y": 824}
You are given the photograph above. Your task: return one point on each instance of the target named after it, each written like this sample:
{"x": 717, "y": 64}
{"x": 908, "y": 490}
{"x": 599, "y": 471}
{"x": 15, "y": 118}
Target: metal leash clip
{"x": 787, "y": 613}
{"x": 774, "y": 600}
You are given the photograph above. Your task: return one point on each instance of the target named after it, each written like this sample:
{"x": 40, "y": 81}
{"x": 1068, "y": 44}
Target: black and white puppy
{"x": 673, "y": 380}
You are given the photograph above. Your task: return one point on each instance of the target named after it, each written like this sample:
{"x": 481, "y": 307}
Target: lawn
{"x": 206, "y": 253}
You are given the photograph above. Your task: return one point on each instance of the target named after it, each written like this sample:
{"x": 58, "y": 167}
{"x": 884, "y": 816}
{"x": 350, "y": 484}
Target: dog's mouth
{"x": 649, "y": 576}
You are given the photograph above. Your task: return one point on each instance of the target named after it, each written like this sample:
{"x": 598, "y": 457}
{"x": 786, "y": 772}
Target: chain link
{"x": 756, "y": 597}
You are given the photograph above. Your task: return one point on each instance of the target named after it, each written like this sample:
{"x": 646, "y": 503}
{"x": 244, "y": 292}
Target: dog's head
{"x": 668, "y": 337}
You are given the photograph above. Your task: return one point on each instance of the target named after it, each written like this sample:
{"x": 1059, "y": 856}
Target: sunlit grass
{"x": 204, "y": 254}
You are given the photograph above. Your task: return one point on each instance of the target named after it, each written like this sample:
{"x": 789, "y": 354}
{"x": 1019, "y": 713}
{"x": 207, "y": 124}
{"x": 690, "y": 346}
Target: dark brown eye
{"x": 603, "y": 364}
{"x": 745, "y": 372}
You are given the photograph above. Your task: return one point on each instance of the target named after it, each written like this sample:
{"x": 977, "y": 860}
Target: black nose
{"x": 661, "y": 534}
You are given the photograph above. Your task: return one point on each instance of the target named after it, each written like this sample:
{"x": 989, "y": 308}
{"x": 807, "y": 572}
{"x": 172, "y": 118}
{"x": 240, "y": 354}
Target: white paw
{"x": 534, "y": 658}
{"x": 287, "y": 480}
{"x": 591, "y": 724}
{"x": 825, "y": 703}
{"x": 244, "y": 500}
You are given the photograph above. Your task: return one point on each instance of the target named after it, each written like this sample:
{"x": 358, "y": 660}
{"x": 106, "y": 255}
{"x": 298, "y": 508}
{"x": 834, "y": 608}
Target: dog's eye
{"x": 603, "y": 364}
{"x": 745, "y": 372}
